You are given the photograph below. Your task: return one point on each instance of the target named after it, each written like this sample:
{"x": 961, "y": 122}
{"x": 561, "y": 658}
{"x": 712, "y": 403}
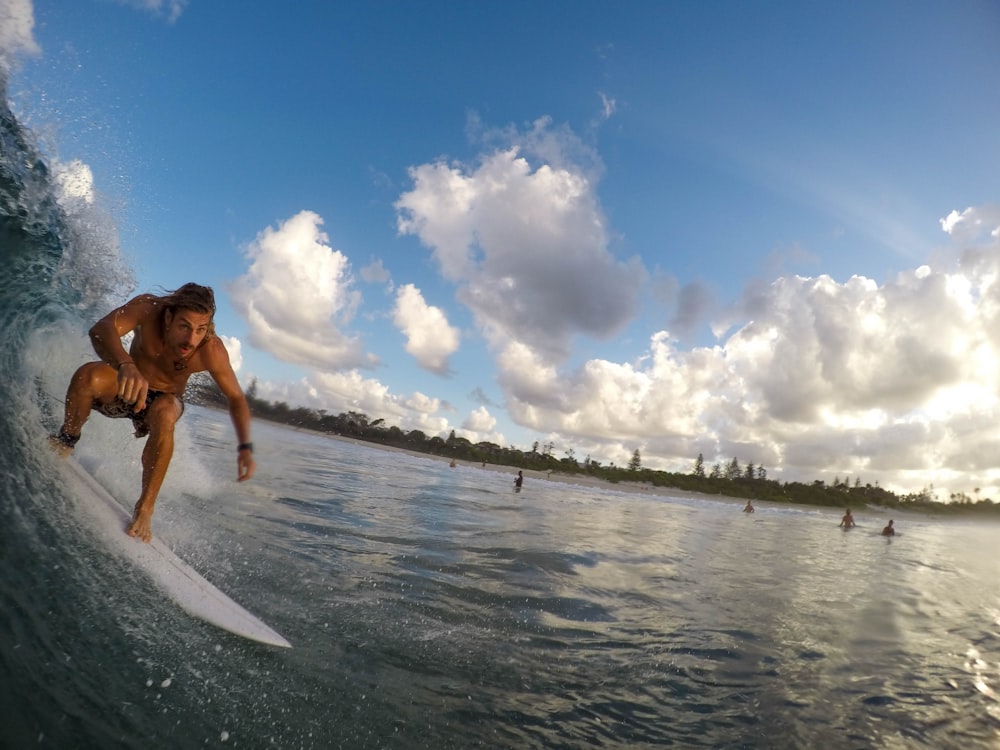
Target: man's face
{"x": 186, "y": 330}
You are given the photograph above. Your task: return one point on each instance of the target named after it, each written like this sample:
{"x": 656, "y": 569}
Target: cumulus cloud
{"x": 297, "y": 295}
{"x": 17, "y": 23}
{"x": 526, "y": 244}
{"x": 480, "y": 426}
{"x": 973, "y": 223}
{"x": 235, "y": 349}
{"x": 892, "y": 382}
{"x": 341, "y": 392}
{"x": 895, "y": 382}
{"x": 480, "y": 420}
{"x": 429, "y": 337}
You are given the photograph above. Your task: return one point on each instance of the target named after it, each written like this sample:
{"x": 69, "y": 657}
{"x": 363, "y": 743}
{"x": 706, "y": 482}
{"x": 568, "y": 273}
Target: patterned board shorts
{"x": 119, "y": 409}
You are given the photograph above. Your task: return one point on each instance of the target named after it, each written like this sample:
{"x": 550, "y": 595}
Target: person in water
{"x": 173, "y": 338}
{"x": 749, "y": 508}
{"x": 889, "y": 530}
{"x": 847, "y": 521}
{"x": 518, "y": 481}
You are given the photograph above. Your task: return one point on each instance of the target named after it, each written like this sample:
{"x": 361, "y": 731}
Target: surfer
{"x": 847, "y": 521}
{"x": 889, "y": 530}
{"x": 173, "y": 338}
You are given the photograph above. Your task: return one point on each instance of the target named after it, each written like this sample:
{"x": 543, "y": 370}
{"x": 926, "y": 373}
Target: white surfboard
{"x": 174, "y": 576}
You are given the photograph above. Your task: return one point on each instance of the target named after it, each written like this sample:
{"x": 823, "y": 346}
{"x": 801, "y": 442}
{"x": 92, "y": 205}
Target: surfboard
{"x": 182, "y": 583}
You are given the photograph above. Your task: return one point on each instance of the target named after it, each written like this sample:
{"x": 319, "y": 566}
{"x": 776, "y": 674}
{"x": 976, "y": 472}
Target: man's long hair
{"x": 194, "y": 297}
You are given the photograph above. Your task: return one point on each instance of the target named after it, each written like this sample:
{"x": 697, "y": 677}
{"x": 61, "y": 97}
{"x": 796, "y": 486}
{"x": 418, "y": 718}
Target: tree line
{"x": 722, "y": 478}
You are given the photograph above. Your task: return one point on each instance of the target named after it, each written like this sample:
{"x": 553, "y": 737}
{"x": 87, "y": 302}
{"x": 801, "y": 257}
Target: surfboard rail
{"x": 185, "y": 585}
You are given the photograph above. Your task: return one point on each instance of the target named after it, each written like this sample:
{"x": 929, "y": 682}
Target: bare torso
{"x": 158, "y": 364}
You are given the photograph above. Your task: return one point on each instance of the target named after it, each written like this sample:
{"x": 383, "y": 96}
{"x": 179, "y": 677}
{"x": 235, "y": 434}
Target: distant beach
{"x": 533, "y": 475}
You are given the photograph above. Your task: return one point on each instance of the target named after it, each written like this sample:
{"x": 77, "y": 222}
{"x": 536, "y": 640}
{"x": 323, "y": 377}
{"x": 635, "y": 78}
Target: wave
{"x": 60, "y": 269}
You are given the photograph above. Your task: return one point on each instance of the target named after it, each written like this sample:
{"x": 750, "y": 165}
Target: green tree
{"x": 636, "y": 463}
{"x": 733, "y": 470}
{"x": 699, "y": 466}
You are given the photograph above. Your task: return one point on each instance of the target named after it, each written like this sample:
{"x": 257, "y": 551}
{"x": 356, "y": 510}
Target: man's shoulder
{"x": 145, "y": 306}
{"x": 214, "y": 345}
{"x": 214, "y": 353}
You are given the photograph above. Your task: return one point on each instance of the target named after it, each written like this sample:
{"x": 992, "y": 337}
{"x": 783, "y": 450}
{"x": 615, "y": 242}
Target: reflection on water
{"x": 569, "y": 616}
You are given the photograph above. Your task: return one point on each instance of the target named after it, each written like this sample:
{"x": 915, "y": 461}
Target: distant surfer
{"x": 889, "y": 530}
{"x": 518, "y": 481}
{"x": 749, "y": 508}
{"x": 847, "y": 521}
{"x": 173, "y": 338}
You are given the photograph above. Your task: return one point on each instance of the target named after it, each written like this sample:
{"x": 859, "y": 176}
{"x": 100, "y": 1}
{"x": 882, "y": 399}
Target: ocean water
{"x": 432, "y": 607}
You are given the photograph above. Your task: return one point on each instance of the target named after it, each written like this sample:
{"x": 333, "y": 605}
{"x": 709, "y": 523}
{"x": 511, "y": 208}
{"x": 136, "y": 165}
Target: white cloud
{"x": 526, "y": 245}
{"x": 169, "y": 9}
{"x": 235, "y": 349}
{"x": 480, "y": 420}
{"x": 951, "y": 221}
{"x": 608, "y": 105}
{"x": 973, "y": 223}
{"x": 895, "y": 382}
{"x": 429, "y": 337}
{"x": 297, "y": 294}
{"x": 17, "y": 22}
{"x": 342, "y": 392}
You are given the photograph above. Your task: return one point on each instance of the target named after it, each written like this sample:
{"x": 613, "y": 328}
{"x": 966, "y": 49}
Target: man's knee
{"x": 95, "y": 380}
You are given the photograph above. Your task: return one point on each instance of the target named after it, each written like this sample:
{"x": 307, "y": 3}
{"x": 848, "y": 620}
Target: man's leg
{"x": 163, "y": 415}
{"x": 94, "y": 381}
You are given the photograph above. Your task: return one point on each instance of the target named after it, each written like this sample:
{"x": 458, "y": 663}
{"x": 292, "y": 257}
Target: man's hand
{"x": 132, "y": 386}
{"x": 245, "y": 465}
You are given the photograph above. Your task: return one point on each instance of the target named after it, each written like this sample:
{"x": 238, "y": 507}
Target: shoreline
{"x": 636, "y": 488}
{"x": 579, "y": 480}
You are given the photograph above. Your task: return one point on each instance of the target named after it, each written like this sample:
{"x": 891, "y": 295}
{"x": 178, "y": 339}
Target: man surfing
{"x": 173, "y": 338}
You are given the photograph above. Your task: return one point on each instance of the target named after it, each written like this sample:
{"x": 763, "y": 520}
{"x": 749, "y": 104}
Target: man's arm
{"x": 221, "y": 370}
{"x": 106, "y": 334}
{"x": 106, "y": 338}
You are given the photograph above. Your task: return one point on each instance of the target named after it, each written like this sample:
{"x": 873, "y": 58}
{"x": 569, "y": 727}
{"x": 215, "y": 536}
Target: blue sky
{"x": 675, "y": 226}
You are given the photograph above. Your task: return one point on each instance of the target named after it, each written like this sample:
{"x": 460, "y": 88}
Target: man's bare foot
{"x": 140, "y": 528}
